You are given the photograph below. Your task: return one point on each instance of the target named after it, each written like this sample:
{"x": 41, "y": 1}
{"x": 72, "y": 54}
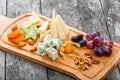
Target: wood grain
{"x": 2, "y": 53}
{"x": 111, "y": 9}
{"x": 16, "y": 67}
{"x": 81, "y": 14}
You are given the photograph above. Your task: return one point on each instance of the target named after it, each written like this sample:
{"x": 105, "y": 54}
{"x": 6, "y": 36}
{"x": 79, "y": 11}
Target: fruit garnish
{"x": 95, "y": 41}
{"x": 107, "y": 50}
{"x": 13, "y": 34}
{"x": 89, "y": 37}
{"x": 16, "y": 36}
{"x": 96, "y": 34}
{"x": 68, "y": 49}
{"x": 99, "y": 51}
{"x": 77, "y": 38}
{"x": 110, "y": 43}
{"x": 30, "y": 32}
{"x": 90, "y": 45}
{"x": 82, "y": 42}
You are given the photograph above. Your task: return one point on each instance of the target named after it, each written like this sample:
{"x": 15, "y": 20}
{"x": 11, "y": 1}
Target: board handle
{"x": 4, "y": 23}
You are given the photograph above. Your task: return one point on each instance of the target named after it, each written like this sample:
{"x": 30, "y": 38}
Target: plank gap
{"x": 40, "y": 7}
{"x": 105, "y": 18}
{"x": 5, "y": 52}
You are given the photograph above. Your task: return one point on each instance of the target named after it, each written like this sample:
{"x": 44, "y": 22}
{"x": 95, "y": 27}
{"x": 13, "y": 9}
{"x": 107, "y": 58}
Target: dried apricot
{"x": 13, "y": 34}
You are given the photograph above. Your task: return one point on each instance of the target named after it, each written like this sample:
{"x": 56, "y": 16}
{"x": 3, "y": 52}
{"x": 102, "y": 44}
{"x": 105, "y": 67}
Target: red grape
{"x": 107, "y": 50}
{"x": 95, "y": 34}
{"x": 89, "y": 37}
{"x": 90, "y": 45}
{"x": 97, "y": 41}
{"x": 110, "y": 43}
{"x": 98, "y": 51}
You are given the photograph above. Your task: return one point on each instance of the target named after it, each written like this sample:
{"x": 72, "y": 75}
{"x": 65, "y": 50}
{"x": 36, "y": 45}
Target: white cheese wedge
{"x": 42, "y": 35}
{"x": 44, "y": 27}
{"x": 54, "y": 29}
{"x": 35, "y": 19}
{"x": 52, "y": 53}
{"x": 60, "y": 30}
{"x": 62, "y": 24}
{"x": 26, "y": 24}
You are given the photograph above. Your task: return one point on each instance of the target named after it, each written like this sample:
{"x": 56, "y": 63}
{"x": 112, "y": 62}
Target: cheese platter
{"x": 51, "y": 43}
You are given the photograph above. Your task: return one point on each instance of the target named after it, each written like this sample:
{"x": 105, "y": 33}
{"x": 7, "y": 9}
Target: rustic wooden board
{"x": 61, "y": 65}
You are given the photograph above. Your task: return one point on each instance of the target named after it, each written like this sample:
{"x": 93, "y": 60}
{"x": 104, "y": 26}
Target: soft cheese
{"x": 52, "y": 53}
{"x": 41, "y": 47}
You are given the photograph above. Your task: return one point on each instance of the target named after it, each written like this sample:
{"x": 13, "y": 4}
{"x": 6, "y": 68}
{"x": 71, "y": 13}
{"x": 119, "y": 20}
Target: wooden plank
{"x": 2, "y": 53}
{"x": 16, "y": 67}
{"x": 112, "y": 16}
{"x": 81, "y": 14}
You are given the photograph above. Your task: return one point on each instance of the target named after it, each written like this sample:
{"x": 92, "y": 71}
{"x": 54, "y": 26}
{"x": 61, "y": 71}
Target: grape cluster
{"x": 95, "y": 41}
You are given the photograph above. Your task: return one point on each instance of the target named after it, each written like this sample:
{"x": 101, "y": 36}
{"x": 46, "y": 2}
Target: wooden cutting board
{"x": 67, "y": 66}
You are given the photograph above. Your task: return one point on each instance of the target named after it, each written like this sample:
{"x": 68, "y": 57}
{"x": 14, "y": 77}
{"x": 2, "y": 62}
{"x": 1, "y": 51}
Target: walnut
{"x": 95, "y": 61}
{"x": 84, "y": 62}
{"x": 30, "y": 41}
{"x": 22, "y": 43}
{"x": 76, "y": 60}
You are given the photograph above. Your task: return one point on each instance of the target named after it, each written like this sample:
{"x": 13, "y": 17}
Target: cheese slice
{"x": 44, "y": 27}
{"x": 54, "y": 29}
{"x": 26, "y": 24}
{"x": 61, "y": 32}
{"x": 53, "y": 16}
{"x": 62, "y": 24}
{"x": 35, "y": 19}
{"x": 42, "y": 35}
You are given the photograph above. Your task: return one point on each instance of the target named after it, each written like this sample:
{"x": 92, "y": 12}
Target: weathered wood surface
{"x": 2, "y": 53}
{"x": 85, "y": 15}
{"x": 111, "y": 10}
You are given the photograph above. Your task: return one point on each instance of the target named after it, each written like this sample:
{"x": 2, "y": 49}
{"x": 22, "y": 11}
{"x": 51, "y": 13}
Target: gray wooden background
{"x": 85, "y": 15}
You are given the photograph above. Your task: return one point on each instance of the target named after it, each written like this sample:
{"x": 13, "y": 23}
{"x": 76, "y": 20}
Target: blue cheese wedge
{"x": 52, "y": 53}
{"x": 47, "y": 38}
{"x": 50, "y": 46}
{"x": 41, "y": 47}
{"x": 56, "y": 43}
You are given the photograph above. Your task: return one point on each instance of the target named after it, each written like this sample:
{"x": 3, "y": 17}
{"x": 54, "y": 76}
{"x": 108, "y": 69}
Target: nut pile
{"x": 85, "y": 61}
